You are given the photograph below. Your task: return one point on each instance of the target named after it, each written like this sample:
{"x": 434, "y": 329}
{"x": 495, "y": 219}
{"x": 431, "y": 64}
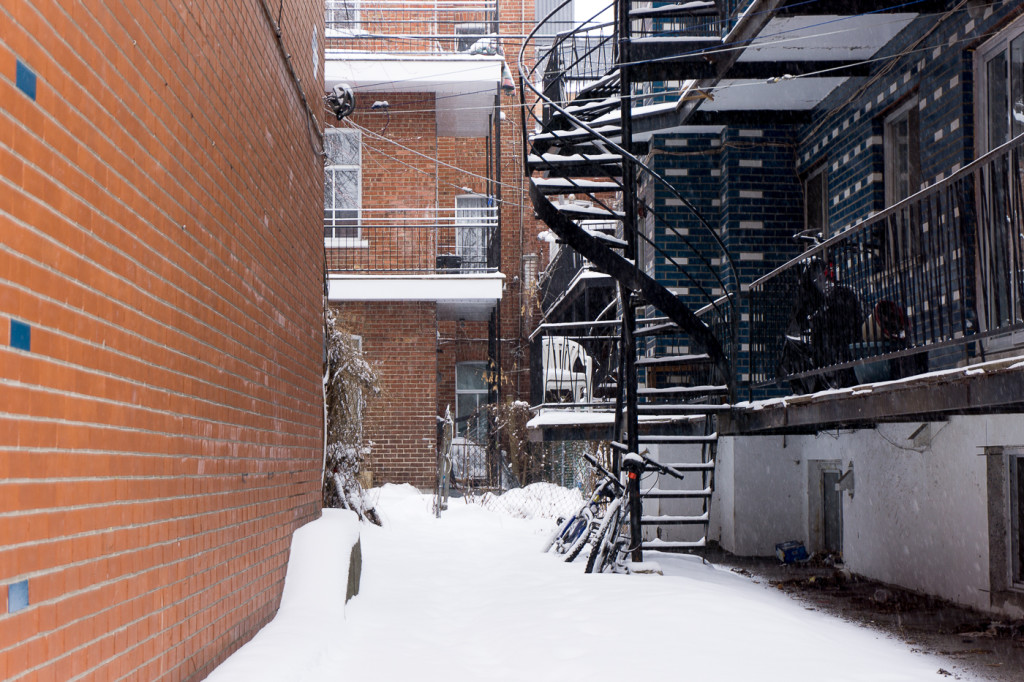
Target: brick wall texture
{"x": 160, "y": 266}
{"x": 407, "y": 165}
{"x": 399, "y": 341}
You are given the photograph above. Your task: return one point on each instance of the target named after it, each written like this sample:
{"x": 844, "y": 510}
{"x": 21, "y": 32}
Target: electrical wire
{"x": 313, "y": 125}
{"x": 678, "y": 91}
{"x": 433, "y": 159}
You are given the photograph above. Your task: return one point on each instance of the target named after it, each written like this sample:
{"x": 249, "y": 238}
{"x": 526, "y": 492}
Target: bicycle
{"x": 573, "y": 533}
{"x": 614, "y": 539}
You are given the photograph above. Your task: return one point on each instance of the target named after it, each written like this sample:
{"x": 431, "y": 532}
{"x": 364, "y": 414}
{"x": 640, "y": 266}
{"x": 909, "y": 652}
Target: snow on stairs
{"x": 676, "y": 513}
{"x": 681, "y": 513}
{"x": 679, "y": 510}
{"x": 575, "y": 152}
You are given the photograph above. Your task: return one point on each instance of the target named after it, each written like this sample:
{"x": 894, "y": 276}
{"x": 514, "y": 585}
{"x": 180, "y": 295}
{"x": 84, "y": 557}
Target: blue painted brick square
{"x": 17, "y": 596}
{"x": 25, "y": 79}
{"x": 21, "y": 335}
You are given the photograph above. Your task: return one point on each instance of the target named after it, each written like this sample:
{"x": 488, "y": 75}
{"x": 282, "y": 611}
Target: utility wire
{"x": 724, "y": 49}
{"x": 369, "y": 132}
{"x": 312, "y": 123}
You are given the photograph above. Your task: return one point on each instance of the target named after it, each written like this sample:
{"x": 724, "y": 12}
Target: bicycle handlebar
{"x": 607, "y": 474}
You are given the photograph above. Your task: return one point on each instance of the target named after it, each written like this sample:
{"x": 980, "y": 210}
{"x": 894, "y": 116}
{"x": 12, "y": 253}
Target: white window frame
{"x": 481, "y": 394}
{"x": 334, "y": 8}
{"x": 356, "y": 240}
{"x": 817, "y": 174}
{"x": 465, "y": 222}
{"x": 908, "y": 111}
{"x": 1000, "y": 43}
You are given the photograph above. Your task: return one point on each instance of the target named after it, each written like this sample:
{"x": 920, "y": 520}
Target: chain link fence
{"x": 507, "y": 473}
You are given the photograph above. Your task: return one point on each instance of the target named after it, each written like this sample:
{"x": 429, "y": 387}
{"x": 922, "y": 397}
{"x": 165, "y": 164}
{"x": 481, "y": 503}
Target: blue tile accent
{"x": 21, "y": 335}
{"x": 26, "y": 80}
{"x": 17, "y": 596}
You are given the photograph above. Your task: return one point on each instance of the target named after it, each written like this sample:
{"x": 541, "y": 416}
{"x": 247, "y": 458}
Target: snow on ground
{"x": 470, "y": 597}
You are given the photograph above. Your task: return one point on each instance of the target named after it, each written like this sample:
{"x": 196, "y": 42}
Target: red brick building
{"x": 160, "y": 329}
{"x": 431, "y": 247}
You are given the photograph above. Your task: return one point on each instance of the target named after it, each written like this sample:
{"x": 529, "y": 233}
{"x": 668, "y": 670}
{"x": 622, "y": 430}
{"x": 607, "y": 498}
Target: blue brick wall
{"x": 847, "y": 133}
{"x": 747, "y": 180}
{"x": 744, "y": 182}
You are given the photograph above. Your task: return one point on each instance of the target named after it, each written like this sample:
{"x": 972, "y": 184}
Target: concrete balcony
{"x": 429, "y": 254}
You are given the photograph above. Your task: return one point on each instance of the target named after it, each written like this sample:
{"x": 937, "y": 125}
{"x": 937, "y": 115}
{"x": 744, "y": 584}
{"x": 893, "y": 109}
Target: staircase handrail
{"x": 525, "y": 81}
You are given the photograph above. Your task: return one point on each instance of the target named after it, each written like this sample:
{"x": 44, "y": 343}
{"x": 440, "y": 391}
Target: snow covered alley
{"x": 470, "y": 597}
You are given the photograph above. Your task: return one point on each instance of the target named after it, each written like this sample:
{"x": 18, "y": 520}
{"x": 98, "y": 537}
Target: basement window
{"x": 1005, "y": 485}
{"x": 1016, "y": 518}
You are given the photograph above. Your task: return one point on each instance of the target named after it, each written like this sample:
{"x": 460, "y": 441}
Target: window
{"x": 902, "y": 153}
{"x": 473, "y": 220}
{"x": 341, "y": 15}
{"x": 1005, "y": 475}
{"x": 1000, "y": 74}
{"x": 1016, "y": 480}
{"x": 467, "y": 35}
{"x": 342, "y": 183}
{"x": 816, "y": 201}
{"x": 470, "y": 397}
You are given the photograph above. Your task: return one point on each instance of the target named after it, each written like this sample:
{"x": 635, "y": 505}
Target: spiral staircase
{"x": 595, "y": 86}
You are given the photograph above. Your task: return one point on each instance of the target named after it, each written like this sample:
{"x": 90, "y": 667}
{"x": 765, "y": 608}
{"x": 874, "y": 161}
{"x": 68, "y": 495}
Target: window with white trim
{"x": 902, "y": 152}
{"x": 341, "y": 15}
{"x": 342, "y": 192}
{"x": 999, "y": 69}
{"x": 470, "y": 398}
{"x": 472, "y": 224}
{"x": 816, "y": 201}
{"x": 999, "y": 98}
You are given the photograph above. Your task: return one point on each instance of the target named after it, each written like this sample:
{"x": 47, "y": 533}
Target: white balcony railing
{"x": 468, "y": 26}
{"x": 448, "y": 240}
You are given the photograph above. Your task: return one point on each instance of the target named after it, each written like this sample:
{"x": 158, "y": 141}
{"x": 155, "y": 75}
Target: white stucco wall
{"x": 918, "y": 516}
{"x": 764, "y": 480}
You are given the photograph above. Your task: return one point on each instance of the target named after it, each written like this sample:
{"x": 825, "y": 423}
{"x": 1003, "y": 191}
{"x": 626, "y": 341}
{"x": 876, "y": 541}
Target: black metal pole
{"x": 629, "y": 233}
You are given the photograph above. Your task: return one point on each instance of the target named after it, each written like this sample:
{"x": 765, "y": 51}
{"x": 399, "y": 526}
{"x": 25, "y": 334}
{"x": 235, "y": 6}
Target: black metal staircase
{"x": 583, "y": 165}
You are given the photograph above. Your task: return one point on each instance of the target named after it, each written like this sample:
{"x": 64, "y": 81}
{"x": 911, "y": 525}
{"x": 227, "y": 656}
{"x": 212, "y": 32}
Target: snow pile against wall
{"x": 312, "y": 602}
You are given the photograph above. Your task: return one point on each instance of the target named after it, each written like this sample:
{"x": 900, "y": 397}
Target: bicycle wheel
{"x": 556, "y": 533}
{"x": 605, "y": 536}
{"x": 617, "y": 556}
{"x": 567, "y": 532}
{"x": 585, "y": 528}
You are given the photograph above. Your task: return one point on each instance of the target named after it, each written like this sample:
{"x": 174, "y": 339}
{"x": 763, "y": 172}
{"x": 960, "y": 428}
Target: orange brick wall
{"x": 161, "y": 437}
{"x": 399, "y": 172}
{"x": 399, "y": 341}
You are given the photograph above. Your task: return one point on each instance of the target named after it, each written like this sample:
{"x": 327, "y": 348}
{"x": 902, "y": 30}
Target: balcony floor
{"x": 461, "y": 296}
{"x": 986, "y": 388}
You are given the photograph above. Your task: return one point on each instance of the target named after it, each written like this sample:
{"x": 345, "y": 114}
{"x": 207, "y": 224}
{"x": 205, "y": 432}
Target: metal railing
{"x": 468, "y": 26}
{"x": 413, "y": 240}
{"x": 925, "y": 283}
